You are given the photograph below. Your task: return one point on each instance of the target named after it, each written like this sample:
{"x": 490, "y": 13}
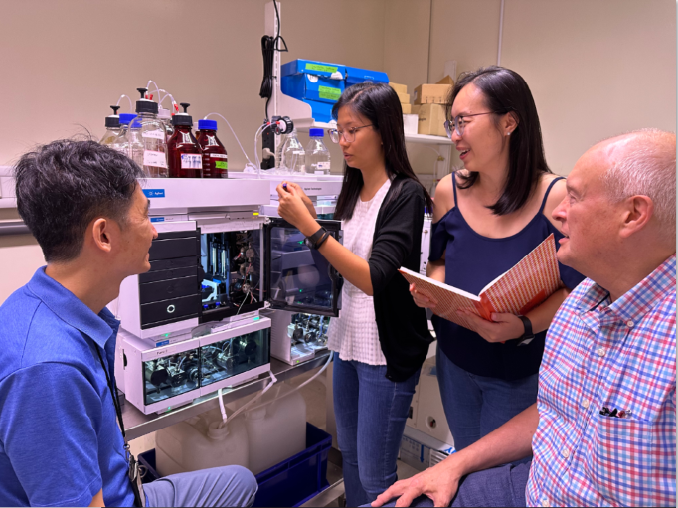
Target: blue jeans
{"x": 499, "y": 486}
{"x": 218, "y": 486}
{"x": 476, "y": 405}
{"x": 371, "y": 412}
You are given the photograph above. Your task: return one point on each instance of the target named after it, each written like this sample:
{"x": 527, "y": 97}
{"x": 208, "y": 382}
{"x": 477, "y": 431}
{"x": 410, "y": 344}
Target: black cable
{"x": 268, "y": 46}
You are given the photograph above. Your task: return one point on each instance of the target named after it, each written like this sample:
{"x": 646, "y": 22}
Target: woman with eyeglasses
{"x": 487, "y": 217}
{"x": 380, "y": 338}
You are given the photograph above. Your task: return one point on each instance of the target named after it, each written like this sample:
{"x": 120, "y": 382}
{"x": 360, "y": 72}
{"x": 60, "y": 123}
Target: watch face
{"x": 308, "y": 243}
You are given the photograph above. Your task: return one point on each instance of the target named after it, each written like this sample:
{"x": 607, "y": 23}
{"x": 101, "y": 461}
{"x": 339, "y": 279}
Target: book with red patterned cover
{"x": 531, "y": 281}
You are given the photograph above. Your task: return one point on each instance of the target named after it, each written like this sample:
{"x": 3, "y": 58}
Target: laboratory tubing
{"x": 279, "y": 150}
{"x": 215, "y": 158}
{"x": 293, "y": 155}
{"x": 317, "y": 154}
{"x": 112, "y": 124}
{"x": 165, "y": 116}
{"x": 185, "y": 155}
{"x": 153, "y": 157}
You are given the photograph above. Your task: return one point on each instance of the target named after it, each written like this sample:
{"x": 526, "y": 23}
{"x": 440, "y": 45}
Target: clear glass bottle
{"x": 134, "y": 143}
{"x": 112, "y": 124}
{"x": 215, "y": 158}
{"x": 317, "y": 154}
{"x": 278, "y": 152}
{"x": 165, "y": 116}
{"x": 185, "y": 155}
{"x": 153, "y": 136}
{"x": 293, "y": 155}
{"x": 120, "y": 143}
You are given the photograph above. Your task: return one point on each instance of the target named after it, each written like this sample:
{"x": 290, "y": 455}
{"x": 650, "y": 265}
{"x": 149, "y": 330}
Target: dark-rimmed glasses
{"x": 348, "y": 134}
{"x": 459, "y": 123}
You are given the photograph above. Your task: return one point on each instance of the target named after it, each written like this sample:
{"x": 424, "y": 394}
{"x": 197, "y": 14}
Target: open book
{"x": 531, "y": 281}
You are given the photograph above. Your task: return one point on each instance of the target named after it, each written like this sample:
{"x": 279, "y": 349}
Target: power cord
{"x": 268, "y": 46}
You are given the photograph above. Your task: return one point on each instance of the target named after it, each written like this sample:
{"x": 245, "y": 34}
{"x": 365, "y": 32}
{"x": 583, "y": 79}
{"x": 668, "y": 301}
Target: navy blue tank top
{"x": 471, "y": 262}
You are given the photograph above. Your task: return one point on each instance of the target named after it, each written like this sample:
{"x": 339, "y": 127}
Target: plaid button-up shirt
{"x": 622, "y": 356}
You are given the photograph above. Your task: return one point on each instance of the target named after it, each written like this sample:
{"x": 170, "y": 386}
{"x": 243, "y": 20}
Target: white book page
{"x": 441, "y": 285}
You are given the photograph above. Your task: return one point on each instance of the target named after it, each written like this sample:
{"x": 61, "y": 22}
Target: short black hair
{"x": 64, "y": 185}
{"x": 505, "y": 91}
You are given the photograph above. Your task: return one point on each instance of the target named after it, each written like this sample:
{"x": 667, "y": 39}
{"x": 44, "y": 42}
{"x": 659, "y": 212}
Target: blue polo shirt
{"x": 59, "y": 440}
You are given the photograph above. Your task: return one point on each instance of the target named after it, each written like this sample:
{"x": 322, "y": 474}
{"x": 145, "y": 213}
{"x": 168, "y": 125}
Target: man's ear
{"x": 637, "y": 214}
{"x": 101, "y": 235}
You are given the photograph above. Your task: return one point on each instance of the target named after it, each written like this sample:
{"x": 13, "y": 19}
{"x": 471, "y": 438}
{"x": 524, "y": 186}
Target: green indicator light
{"x": 256, "y": 318}
{"x": 300, "y": 290}
{"x": 301, "y": 243}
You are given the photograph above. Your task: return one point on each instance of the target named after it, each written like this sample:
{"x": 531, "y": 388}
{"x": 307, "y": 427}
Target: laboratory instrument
{"x": 184, "y": 153}
{"x": 215, "y": 158}
{"x": 317, "y": 154}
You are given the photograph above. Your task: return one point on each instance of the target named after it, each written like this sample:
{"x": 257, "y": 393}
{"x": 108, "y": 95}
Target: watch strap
{"x": 315, "y": 238}
{"x": 528, "y": 335}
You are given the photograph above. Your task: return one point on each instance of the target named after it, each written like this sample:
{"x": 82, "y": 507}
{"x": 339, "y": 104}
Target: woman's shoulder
{"x": 555, "y": 195}
{"x": 443, "y": 200}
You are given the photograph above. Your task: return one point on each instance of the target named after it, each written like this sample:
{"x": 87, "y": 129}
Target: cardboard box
{"x": 404, "y": 98}
{"x": 407, "y": 109}
{"x": 421, "y": 451}
{"x": 446, "y": 81}
{"x": 429, "y": 93}
{"x": 399, "y": 87}
{"x": 411, "y": 123}
{"x": 416, "y": 108}
{"x": 431, "y": 120}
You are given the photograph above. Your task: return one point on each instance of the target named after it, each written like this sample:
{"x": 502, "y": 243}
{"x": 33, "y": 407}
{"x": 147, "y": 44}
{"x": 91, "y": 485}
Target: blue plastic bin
{"x": 292, "y": 482}
{"x": 355, "y": 75}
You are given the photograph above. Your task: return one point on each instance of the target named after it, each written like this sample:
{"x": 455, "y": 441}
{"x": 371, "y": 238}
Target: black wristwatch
{"x": 314, "y": 241}
{"x": 528, "y": 336}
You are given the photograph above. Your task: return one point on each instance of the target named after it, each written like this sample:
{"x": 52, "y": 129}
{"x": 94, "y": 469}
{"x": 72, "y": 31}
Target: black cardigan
{"x": 403, "y": 331}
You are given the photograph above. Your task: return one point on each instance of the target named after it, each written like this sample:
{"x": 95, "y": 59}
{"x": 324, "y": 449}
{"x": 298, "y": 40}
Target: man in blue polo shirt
{"x": 59, "y": 441}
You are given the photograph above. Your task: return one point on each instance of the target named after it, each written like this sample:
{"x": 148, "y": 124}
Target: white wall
{"x": 595, "y": 67}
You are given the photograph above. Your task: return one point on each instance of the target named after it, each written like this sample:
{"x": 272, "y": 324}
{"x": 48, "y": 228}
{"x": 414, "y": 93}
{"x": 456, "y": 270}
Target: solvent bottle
{"x": 153, "y": 136}
{"x": 112, "y": 124}
{"x": 214, "y": 156}
{"x": 185, "y": 155}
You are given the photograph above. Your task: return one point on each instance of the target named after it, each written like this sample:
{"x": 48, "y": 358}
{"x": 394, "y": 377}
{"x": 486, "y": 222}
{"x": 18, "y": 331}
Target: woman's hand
{"x": 294, "y": 210}
{"x": 423, "y": 299}
{"x": 306, "y": 200}
{"x": 503, "y": 327}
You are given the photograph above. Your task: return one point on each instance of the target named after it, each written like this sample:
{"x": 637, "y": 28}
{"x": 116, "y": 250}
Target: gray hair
{"x": 648, "y": 168}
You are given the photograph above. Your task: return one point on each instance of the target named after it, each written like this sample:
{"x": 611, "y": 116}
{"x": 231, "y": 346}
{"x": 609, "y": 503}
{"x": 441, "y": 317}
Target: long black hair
{"x": 380, "y": 104}
{"x": 505, "y": 91}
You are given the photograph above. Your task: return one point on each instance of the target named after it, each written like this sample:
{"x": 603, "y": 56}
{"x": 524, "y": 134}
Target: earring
{"x": 508, "y": 133}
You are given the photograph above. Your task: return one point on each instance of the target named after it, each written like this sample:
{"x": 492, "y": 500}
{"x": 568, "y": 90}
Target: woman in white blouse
{"x": 380, "y": 338}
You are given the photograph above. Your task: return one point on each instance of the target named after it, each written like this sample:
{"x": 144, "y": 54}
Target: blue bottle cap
{"x": 319, "y": 133}
{"x": 136, "y": 125}
{"x": 208, "y": 125}
{"x": 127, "y": 117}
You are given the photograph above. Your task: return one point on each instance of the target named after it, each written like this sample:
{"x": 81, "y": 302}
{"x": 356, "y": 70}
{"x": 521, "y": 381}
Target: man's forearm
{"x": 512, "y": 441}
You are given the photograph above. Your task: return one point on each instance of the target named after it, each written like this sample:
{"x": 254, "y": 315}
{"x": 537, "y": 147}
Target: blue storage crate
{"x": 355, "y": 75}
{"x": 309, "y": 80}
{"x": 292, "y": 482}
{"x": 309, "y": 87}
{"x": 322, "y": 69}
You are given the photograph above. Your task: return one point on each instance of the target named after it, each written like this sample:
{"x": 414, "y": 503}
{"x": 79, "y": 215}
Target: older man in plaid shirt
{"x": 603, "y": 431}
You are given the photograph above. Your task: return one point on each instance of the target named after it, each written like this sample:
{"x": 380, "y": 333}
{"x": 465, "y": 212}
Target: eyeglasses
{"x": 348, "y": 134}
{"x": 459, "y": 123}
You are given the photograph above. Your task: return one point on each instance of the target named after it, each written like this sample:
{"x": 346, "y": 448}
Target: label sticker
{"x": 219, "y": 156}
{"x": 321, "y": 68}
{"x": 157, "y": 219}
{"x": 191, "y": 161}
{"x": 221, "y": 165}
{"x": 155, "y": 159}
{"x": 154, "y": 193}
{"x": 153, "y": 134}
{"x": 328, "y": 92}
{"x": 324, "y": 165}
